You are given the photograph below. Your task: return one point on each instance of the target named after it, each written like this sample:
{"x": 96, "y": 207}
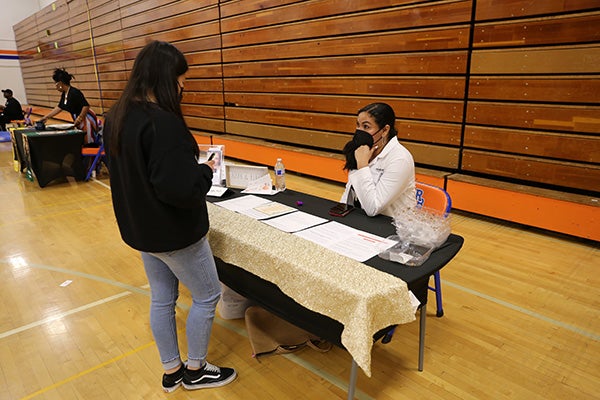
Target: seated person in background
{"x": 381, "y": 172}
{"x": 11, "y": 110}
{"x": 73, "y": 101}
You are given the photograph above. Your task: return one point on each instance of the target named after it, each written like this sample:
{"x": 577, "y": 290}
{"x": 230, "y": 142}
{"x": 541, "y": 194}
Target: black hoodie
{"x": 158, "y": 187}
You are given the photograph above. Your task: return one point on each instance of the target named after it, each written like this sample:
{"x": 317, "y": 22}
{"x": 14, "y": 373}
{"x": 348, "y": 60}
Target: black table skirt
{"x": 53, "y": 156}
{"x": 271, "y": 298}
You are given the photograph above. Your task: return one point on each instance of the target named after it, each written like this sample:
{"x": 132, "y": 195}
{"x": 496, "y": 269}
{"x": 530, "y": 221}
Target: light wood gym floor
{"x": 522, "y": 314}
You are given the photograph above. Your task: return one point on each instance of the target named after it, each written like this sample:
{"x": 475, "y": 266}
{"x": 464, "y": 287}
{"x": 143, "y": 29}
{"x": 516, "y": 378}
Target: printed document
{"x": 242, "y": 203}
{"x": 268, "y": 210}
{"x": 347, "y": 241}
{"x": 256, "y": 207}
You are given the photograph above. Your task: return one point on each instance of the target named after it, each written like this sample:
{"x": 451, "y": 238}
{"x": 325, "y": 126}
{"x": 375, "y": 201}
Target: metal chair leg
{"x": 438, "y": 294}
{"x": 93, "y": 167}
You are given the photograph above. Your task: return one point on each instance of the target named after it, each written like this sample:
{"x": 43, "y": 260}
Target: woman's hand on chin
{"x": 363, "y": 156}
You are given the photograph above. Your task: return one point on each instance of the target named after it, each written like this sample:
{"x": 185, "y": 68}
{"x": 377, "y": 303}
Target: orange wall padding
{"x": 297, "y": 161}
{"x": 555, "y": 215}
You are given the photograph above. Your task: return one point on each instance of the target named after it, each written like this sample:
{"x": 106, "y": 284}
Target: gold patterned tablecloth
{"x": 362, "y": 298}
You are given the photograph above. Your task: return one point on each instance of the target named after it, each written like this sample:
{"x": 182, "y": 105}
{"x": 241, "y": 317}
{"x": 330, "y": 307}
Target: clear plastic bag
{"x": 422, "y": 226}
{"x": 418, "y": 232}
{"x": 406, "y": 253}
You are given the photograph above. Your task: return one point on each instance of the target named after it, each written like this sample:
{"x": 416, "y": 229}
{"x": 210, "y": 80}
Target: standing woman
{"x": 159, "y": 199}
{"x": 381, "y": 172}
{"x": 73, "y": 101}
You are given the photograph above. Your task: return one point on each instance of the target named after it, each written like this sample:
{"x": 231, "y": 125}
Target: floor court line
{"x": 130, "y": 289}
{"x": 332, "y": 379}
{"x": 101, "y": 183}
{"x": 326, "y": 376}
{"x": 133, "y": 289}
{"x": 87, "y": 371}
{"x": 511, "y": 306}
{"x": 523, "y": 310}
{"x": 299, "y": 361}
{"x": 62, "y": 315}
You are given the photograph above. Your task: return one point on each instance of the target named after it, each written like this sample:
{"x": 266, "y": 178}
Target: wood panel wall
{"x": 299, "y": 72}
{"x": 507, "y": 90}
{"x": 533, "y": 108}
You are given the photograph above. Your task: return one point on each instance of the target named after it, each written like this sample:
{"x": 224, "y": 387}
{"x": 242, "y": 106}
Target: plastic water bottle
{"x": 279, "y": 175}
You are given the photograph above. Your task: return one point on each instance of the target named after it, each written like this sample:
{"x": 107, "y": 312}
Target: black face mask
{"x": 360, "y": 138}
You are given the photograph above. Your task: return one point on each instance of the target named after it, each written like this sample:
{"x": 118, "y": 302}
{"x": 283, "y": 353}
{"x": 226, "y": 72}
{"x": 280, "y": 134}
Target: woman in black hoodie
{"x": 159, "y": 198}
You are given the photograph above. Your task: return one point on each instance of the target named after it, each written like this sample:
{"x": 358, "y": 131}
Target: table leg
{"x": 28, "y": 172}
{"x": 352, "y": 383}
{"x": 422, "y": 319}
{"x": 16, "y": 158}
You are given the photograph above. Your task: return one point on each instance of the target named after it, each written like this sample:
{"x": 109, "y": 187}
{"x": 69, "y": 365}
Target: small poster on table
{"x": 217, "y": 154}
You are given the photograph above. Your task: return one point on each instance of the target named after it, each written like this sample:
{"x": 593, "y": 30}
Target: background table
{"x": 49, "y": 154}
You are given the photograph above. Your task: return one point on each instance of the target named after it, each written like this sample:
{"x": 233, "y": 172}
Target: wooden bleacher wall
{"x": 498, "y": 101}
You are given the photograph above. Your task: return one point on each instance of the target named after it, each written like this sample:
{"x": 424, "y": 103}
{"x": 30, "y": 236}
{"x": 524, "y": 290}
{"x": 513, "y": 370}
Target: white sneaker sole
{"x": 172, "y": 388}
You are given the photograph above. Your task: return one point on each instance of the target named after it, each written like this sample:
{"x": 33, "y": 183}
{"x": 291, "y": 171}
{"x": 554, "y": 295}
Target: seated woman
{"x": 381, "y": 172}
{"x": 73, "y": 101}
{"x": 10, "y": 111}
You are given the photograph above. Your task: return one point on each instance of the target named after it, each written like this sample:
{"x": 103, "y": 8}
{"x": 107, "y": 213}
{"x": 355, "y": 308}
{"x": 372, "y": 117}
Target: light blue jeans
{"x": 195, "y": 267}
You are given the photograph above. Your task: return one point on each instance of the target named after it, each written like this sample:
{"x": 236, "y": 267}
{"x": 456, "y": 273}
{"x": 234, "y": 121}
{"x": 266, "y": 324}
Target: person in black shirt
{"x": 11, "y": 111}
{"x": 73, "y": 101}
{"x": 159, "y": 192}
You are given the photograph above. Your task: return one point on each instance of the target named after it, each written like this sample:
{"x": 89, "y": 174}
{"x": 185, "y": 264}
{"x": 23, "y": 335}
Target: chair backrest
{"x": 433, "y": 198}
{"x": 93, "y": 151}
{"x": 27, "y": 117}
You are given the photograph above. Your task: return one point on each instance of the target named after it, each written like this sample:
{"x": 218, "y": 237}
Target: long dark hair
{"x": 383, "y": 114}
{"x": 155, "y": 72}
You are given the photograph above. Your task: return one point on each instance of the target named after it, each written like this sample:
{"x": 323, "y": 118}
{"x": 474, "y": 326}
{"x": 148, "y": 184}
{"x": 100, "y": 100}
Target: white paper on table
{"x": 262, "y": 185}
{"x": 414, "y": 302}
{"x": 295, "y": 221}
{"x": 267, "y": 210}
{"x": 255, "y": 207}
{"x": 347, "y": 241}
{"x": 216, "y": 191}
{"x": 242, "y": 203}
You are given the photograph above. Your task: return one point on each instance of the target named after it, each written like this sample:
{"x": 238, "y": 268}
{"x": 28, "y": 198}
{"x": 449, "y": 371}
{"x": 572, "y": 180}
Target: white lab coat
{"x": 387, "y": 184}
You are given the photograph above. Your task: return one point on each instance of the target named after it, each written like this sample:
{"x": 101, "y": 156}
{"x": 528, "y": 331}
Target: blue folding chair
{"x": 438, "y": 201}
{"x": 98, "y": 155}
{"x": 27, "y": 117}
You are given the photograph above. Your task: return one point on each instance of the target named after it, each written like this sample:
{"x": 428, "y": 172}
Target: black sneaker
{"x": 208, "y": 376}
{"x": 170, "y": 382}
